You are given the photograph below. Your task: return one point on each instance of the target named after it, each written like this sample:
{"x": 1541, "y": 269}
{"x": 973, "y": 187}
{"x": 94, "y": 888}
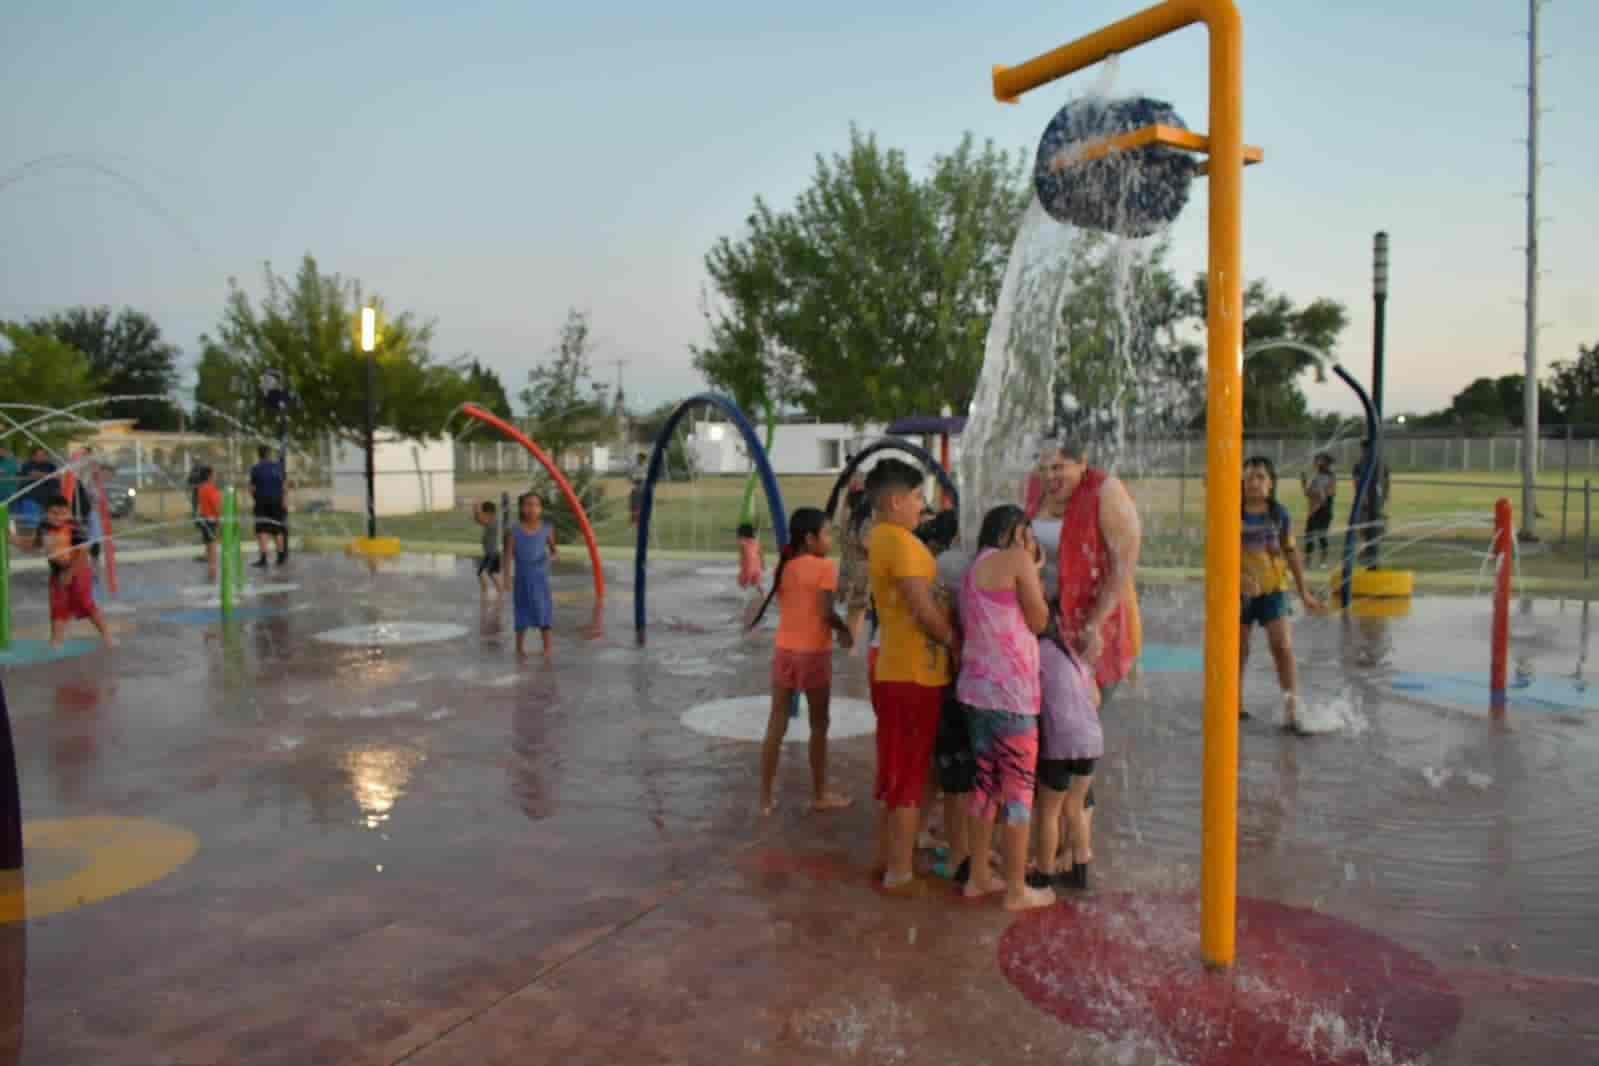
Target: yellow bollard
{"x": 1224, "y": 450}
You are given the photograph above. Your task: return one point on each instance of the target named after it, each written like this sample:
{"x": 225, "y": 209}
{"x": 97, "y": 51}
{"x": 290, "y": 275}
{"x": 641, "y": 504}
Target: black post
{"x": 371, "y": 441}
{"x": 10, "y": 794}
{"x": 1379, "y": 291}
{"x": 1565, "y": 486}
{"x": 1587, "y": 529}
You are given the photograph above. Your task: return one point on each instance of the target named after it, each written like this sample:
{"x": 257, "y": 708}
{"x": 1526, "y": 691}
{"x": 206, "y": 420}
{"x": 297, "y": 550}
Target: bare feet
{"x": 912, "y": 888}
{"x": 110, "y": 641}
{"x": 1027, "y": 898}
{"x": 768, "y": 807}
{"x": 831, "y": 801}
{"x": 976, "y": 887}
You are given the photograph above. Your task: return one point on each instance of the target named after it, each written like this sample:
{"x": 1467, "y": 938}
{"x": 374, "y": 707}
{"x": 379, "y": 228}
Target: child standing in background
{"x": 208, "y": 517}
{"x": 529, "y": 549}
{"x": 751, "y": 565}
{"x": 488, "y": 567}
{"x": 803, "y": 587}
{"x": 1269, "y": 555}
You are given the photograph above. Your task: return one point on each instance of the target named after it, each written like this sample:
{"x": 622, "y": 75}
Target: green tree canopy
{"x": 1272, "y": 396}
{"x": 306, "y": 329}
{"x": 1492, "y": 405}
{"x": 126, "y": 356}
{"x": 221, "y": 389}
{"x": 565, "y": 406}
{"x": 37, "y": 368}
{"x": 1575, "y": 387}
{"x": 1132, "y": 344}
{"x": 484, "y": 388}
{"x": 870, "y": 297}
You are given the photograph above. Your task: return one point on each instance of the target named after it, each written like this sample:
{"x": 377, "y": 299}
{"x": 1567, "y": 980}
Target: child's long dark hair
{"x": 999, "y": 525}
{"x": 803, "y": 523}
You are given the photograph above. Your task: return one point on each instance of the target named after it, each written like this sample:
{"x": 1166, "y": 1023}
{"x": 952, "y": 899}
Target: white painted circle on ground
{"x": 744, "y": 718}
{"x": 389, "y": 634}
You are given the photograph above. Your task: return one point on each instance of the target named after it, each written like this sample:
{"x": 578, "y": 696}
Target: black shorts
{"x": 208, "y": 530}
{"x": 271, "y": 517}
{"x": 490, "y": 565}
{"x": 1056, "y": 774}
{"x": 952, "y": 750}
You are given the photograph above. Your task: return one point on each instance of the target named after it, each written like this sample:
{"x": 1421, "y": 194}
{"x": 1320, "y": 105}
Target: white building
{"x": 411, "y": 476}
{"x": 797, "y": 447}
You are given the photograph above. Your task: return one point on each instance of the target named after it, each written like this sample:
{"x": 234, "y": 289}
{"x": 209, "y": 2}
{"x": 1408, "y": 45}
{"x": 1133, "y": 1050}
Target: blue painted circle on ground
{"x": 38, "y": 652}
{"x": 1553, "y": 695}
{"x": 1171, "y": 659}
{"x": 210, "y": 616}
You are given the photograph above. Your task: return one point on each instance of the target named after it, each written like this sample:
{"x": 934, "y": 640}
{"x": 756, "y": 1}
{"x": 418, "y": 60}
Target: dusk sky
{"x": 486, "y": 165}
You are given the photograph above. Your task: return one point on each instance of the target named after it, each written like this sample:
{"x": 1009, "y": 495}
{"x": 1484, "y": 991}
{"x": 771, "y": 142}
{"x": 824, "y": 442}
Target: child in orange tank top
{"x": 804, "y": 585}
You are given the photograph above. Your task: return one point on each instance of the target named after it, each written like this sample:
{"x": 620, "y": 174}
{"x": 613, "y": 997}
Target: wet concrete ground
{"x": 432, "y": 854}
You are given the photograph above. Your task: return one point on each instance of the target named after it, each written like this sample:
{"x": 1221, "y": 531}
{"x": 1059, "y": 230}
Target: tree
{"x": 484, "y": 388}
{"x": 1272, "y": 397}
{"x": 127, "y": 357}
{"x": 1575, "y": 388}
{"x": 565, "y": 406}
{"x": 1123, "y": 350}
{"x": 307, "y": 331}
{"x": 220, "y": 390}
{"x": 873, "y": 290}
{"x": 1492, "y": 405}
{"x": 36, "y": 368}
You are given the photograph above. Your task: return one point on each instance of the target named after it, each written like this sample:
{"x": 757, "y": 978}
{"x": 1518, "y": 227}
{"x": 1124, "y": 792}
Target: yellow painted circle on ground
{"x": 73, "y": 862}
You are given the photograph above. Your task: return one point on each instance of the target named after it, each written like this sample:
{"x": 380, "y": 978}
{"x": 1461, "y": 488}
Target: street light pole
{"x": 369, "y": 331}
{"x": 1379, "y": 327}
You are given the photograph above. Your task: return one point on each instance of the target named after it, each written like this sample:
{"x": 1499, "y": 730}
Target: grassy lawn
{"x": 1439, "y": 523}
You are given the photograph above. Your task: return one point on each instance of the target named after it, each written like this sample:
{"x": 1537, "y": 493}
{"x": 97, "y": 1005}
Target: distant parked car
{"x": 122, "y": 492}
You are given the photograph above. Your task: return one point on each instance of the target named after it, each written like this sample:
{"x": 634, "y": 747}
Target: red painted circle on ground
{"x": 1308, "y": 988}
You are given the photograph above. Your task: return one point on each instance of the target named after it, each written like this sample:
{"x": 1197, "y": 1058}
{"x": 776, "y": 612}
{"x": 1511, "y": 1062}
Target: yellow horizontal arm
{"x": 1171, "y": 136}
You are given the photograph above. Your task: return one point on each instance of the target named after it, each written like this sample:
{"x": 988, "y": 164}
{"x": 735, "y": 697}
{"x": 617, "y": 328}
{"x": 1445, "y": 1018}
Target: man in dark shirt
{"x": 268, "y": 488}
{"x": 36, "y": 474}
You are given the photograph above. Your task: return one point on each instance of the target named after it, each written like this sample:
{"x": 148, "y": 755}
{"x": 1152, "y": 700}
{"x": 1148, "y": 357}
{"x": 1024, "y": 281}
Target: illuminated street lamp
{"x": 369, "y": 344}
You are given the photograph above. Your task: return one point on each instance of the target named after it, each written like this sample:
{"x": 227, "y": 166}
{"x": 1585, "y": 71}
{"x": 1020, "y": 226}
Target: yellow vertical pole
{"x": 1224, "y": 411}
{"x": 1224, "y": 327}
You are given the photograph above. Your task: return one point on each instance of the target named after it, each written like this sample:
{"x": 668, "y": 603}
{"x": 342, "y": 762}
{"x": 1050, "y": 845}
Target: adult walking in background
{"x": 1320, "y": 493}
{"x": 1095, "y": 525}
{"x": 269, "y": 490}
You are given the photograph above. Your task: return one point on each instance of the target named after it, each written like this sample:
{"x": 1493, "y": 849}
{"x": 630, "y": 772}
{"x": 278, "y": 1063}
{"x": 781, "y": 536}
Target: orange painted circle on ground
{"x": 73, "y": 862}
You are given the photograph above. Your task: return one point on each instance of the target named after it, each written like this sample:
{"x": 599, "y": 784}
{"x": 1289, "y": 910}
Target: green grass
{"x": 1440, "y": 523}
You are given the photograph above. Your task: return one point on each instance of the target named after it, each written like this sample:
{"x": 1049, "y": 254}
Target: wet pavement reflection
{"x": 431, "y": 852}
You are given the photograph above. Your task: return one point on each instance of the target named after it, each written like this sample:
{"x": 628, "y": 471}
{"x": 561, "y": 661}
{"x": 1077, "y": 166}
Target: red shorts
{"x": 907, "y": 726}
{"x": 871, "y": 663}
{"x": 803, "y": 671}
{"x": 72, "y": 595}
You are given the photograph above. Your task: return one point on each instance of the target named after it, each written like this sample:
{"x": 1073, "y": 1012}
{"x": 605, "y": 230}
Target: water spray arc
{"x": 1224, "y": 412}
{"x": 763, "y": 466}
{"x": 477, "y": 413}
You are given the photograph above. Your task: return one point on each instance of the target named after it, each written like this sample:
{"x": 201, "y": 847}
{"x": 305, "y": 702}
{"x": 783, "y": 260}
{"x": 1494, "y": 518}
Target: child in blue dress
{"x": 528, "y": 551}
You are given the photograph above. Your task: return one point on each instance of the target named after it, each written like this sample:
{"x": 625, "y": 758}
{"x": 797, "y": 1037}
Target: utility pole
{"x": 618, "y": 405}
{"x": 1529, "y": 390}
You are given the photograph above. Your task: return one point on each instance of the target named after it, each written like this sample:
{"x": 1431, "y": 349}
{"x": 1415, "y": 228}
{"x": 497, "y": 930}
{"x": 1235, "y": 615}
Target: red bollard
{"x": 1504, "y": 554}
